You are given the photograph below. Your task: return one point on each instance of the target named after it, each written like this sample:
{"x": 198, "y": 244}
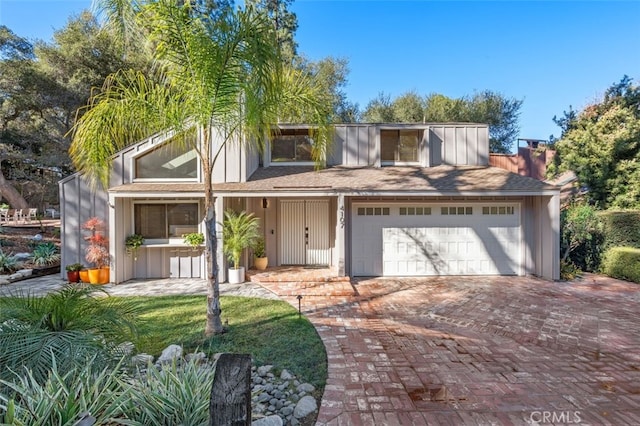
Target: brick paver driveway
{"x": 488, "y": 350}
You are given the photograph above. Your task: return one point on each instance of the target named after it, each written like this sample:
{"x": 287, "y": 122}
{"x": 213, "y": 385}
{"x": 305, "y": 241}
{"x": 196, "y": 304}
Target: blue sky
{"x": 551, "y": 54}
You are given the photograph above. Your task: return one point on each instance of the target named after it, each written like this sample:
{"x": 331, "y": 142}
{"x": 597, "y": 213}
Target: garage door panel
{"x": 435, "y": 244}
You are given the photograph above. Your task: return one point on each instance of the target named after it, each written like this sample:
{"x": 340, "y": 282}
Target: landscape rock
{"x": 268, "y": 421}
{"x": 285, "y": 375}
{"x": 306, "y": 387}
{"x": 264, "y": 370}
{"x": 305, "y": 406}
{"x": 275, "y": 399}
{"x": 169, "y": 354}
{"x": 142, "y": 360}
{"x": 22, "y": 256}
{"x": 25, "y": 272}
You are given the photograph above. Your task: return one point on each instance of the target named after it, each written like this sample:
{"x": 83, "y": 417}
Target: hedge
{"x": 621, "y": 228}
{"x": 623, "y": 263}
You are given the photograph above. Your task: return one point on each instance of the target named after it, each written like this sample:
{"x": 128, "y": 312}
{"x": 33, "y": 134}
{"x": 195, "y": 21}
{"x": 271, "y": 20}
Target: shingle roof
{"x": 386, "y": 179}
{"x": 440, "y": 179}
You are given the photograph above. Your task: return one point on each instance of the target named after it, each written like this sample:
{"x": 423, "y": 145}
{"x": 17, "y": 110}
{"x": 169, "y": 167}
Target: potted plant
{"x": 239, "y": 231}
{"x": 97, "y": 252}
{"x": 73, "y": 272}
{"x": 260, "y": 259}
{"x": 194, "y": 239}
{"x": 132, "y": 243}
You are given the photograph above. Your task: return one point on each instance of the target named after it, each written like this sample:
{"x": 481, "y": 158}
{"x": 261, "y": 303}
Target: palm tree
{"x": 221, "y": 74}
{"x": 67, "y": 327}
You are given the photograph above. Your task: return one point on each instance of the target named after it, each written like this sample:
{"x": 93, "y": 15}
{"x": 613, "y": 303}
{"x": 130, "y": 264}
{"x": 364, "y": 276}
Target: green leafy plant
{"x": 259, "y": 248}
{"x": 8, "y": 262}
{"x": 74, "y": 267}
{"x": 194, "y": 239}
{"x": 65, "y": 397}
{"x": 68, "y": 327}
{"x": 133, "y": 242}
{"x": 623, "y": 263}
{"x": 239, "y": 231}
{"x": 45, "y": 254}
{"x": 171, "y": 396}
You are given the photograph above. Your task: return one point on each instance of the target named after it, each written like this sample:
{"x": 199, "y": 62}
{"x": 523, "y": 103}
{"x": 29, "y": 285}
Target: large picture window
{"x": 169, "y": 161}
{"x": 291, "y": 145}
{"x": 164, "y": 221}
{"x": 400, "y": 146}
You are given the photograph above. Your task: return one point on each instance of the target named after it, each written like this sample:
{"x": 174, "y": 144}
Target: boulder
{"x": 304, "y": 407}
{"x": 169, "y": 354}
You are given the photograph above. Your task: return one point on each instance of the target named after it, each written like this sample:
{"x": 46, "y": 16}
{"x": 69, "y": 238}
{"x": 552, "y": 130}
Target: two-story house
{"x": 394, "y": 200}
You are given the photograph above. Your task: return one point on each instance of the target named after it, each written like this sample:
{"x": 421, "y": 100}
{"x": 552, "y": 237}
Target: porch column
{"x": 341, "y": 229}
{"x": 222, "y": 266}
{"x": 113, "y": 242}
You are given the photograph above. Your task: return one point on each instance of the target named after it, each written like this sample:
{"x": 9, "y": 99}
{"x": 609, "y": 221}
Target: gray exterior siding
{"x": 78, "y": 203}
{"x": 459, "y": 144}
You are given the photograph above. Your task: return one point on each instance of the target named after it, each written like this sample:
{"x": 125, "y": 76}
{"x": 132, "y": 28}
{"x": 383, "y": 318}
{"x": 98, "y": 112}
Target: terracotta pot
{"x": 73, "y": 276}
{"x": 260, "y": 263}
{"x": 84, "y": 275}
{"x": 99, "y": 276}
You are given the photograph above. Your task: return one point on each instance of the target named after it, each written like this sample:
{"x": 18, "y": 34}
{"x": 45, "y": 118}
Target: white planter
{"x": 236, "y": 276}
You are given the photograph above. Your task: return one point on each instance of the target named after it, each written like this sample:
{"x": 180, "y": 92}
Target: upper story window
{"x": 291, "y": 146}
{"x": 169, "y": 161}
{"x": 399, "y": 146}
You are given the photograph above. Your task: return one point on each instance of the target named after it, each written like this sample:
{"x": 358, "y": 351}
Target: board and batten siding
{"x": 78, "y": 203}
{"x": 459, "y": 144}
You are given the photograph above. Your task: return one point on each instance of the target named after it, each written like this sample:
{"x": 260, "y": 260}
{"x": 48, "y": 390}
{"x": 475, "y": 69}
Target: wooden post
{"x": 230, "y": 403}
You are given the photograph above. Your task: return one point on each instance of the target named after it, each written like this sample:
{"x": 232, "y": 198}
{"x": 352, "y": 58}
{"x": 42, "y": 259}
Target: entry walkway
{"x": 153, "y": 287}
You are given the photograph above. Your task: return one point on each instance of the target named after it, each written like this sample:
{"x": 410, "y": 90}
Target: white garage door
{"x": 436, "y": 239}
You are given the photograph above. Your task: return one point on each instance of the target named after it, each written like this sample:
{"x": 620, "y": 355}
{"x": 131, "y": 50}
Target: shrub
{"x": 45, "y": 254}
{"x": 8, "y": 262}
{"x": 68, "y": 326}
{"x": 621, "y": 228}
{"x": 623, "y": 263}
{"x": 581, "y": 236}
{"x": 64, "y": 398}
{"x": 171, "y": 396}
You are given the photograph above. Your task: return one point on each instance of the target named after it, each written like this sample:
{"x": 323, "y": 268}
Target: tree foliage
{"x": 42, "y": 85}
{"x": 602, "y": 146}
{"x": 224, "y": 75}
{"x": 499, "y": 112}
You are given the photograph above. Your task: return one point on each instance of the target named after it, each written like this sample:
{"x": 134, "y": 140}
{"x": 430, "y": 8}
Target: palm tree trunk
{"x": 214, "y": 321}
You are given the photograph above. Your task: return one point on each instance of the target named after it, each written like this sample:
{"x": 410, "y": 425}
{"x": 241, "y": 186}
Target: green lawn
{"x": 269, "y": 330}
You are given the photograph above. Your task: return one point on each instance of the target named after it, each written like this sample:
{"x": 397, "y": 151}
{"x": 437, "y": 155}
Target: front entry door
{"x": 304, "y": 232}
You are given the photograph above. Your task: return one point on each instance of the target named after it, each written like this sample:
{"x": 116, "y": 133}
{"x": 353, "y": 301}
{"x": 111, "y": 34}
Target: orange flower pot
{"x": 84, "y": 275}
{"x": 99, "y": 276}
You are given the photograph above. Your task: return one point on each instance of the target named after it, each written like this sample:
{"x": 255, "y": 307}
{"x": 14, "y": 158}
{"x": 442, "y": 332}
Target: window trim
{"x": 148, "y": 150}
{"x": 287, "y": 163}
{"x": 169, "y": 240}
{"x": 421, "y": 133}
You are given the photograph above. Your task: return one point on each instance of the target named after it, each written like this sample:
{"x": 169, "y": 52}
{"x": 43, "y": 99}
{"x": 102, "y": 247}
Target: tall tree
{"x": 499, "y": 112}
{"x": 223, "y": 75}
{"x": 408, "y": 108}
{"x": 379, "y": 110}
{"x": 602, "y": 146}
{"x": 41, "y": 87}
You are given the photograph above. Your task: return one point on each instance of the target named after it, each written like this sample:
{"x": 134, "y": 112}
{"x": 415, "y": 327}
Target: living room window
{"x": 168, "y": 161}
{"x": 399, "y": 146}
{"x": 158, "y": 221}
{"x": 291, "y": 146}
